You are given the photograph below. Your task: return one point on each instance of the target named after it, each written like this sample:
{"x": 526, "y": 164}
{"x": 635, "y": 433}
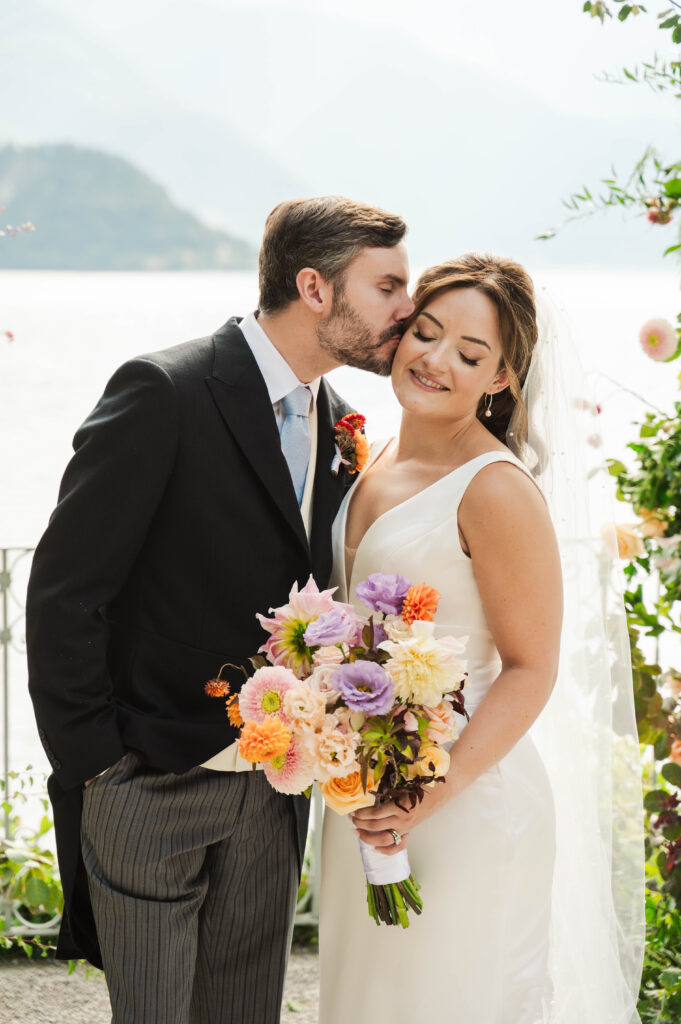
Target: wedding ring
{"x": 397, "y": 838}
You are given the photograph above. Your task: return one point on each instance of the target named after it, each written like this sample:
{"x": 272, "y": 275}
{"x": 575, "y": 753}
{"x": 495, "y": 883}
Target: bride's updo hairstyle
{"x": 509, "y": 287}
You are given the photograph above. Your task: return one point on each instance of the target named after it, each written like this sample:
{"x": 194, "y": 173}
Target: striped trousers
{"x": 193, "y": 880}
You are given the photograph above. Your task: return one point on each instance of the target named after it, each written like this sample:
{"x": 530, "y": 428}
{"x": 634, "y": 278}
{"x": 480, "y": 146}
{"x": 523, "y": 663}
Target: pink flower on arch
{"x": 659, "y": 340}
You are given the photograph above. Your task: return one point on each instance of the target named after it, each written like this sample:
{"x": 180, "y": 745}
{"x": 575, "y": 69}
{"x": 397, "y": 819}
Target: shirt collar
{"x": 279, "y": 378}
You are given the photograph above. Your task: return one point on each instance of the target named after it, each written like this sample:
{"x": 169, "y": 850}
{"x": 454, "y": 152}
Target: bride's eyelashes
{"x": 424, "y": 337}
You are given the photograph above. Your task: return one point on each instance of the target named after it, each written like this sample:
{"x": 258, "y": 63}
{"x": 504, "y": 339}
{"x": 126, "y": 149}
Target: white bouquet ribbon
{"x": 381, "y": 869}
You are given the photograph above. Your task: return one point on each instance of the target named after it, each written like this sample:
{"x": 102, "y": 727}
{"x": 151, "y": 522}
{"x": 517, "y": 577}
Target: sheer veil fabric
{"x": 587, "y": 734}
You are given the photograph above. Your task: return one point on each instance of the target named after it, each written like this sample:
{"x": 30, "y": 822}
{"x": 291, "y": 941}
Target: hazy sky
{"x": 472, "y": 119}
{"x": 551, "y": 49}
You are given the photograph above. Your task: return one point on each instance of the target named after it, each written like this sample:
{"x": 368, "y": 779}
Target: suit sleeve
{"x": 124, "y": 455}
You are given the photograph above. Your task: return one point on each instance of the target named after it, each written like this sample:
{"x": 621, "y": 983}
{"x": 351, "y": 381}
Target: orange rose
{"x": 675, "y": 755}
{"x": 346, "y": 794}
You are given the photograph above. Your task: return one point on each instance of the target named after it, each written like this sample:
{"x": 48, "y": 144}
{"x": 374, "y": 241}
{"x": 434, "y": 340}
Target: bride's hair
{"x": 509, "y": 287}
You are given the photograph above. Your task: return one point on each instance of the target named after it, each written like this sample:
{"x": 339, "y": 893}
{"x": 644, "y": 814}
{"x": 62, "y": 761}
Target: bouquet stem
{"x": 390, "y": 903}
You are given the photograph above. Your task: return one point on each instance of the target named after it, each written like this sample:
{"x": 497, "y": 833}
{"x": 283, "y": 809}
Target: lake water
{"x": 72, "y": 329}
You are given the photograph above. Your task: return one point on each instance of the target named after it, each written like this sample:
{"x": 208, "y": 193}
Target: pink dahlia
{"x": 291, "y": 772}
{"x": 659, "y": 339}
{"x": 286, "y": 645}
{"x": 263, "y": 694}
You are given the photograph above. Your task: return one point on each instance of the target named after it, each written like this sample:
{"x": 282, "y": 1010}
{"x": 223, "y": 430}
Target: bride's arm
{"x": 507, "y": 530}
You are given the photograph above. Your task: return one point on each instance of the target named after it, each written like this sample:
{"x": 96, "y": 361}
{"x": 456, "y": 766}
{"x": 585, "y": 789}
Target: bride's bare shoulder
{"x": 499, "y": 489}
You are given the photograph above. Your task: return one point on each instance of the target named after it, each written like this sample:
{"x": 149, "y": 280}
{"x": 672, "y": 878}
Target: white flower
{"x": 334, "y": 751}
{"x": 304, "y": 708}
{"x": 422, "y": 668}
{"x": 320, "y": 682}
{"x": 396, "y": 627}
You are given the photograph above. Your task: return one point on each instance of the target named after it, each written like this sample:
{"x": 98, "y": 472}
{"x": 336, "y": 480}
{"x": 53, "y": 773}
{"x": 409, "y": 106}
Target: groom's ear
{"x": 315, "y": 291}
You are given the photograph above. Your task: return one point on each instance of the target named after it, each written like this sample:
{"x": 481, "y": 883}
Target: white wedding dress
{"x": 478, "y": 953}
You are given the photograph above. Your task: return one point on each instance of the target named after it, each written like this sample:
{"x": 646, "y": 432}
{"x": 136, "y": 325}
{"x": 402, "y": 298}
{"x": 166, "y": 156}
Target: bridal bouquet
{"x": 363, "y": 706}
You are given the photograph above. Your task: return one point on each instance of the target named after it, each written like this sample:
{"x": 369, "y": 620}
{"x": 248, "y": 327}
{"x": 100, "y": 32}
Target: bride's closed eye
{"x": 425, "y": 337}
{"x": 422, "y": 337}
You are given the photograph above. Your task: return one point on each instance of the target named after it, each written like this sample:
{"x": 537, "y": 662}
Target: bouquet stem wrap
{"x": 392, "y": 890}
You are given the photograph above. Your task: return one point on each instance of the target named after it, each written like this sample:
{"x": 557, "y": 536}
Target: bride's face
{"x": 450, "y": 356}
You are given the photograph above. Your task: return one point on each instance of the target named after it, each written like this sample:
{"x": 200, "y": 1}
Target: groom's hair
{"x": 325, "y": 233}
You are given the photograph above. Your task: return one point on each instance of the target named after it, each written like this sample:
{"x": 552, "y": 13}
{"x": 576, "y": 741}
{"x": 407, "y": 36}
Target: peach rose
{"x": 430, "y": 753}
{"x": 327, "y": 656}
{"x": 653, "y": 523}
{"x": 443, "y": 724}
{"x": 333, "y": 750}
{"x": 675, "y": 755}
{"x": 345, "y": 794}
{"x": 304, "y": 708}
{"x": 622, "y": 541}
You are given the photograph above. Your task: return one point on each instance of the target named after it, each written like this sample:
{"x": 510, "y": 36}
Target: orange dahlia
{"x": 263, "y": 741}
{"x": 217, "y": 687}
{"x": 420, "y": 604}
{"x": 233, "y": 713}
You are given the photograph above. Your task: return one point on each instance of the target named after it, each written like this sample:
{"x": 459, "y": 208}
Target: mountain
{"x": 94, "y": 211}
{"x": 60, "y": 82}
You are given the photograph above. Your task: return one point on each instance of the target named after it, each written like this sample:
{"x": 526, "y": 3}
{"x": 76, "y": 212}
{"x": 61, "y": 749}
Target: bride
{"x": 520, "y": 924}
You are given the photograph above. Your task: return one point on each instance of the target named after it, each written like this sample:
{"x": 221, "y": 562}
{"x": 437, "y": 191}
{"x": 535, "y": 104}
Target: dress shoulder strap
{"x": 470, "y": 469}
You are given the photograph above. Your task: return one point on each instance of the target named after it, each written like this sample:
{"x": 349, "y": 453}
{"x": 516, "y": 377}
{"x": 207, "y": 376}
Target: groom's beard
{"x": 346, "y": 337}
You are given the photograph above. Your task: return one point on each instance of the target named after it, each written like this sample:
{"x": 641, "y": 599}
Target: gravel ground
{"x": 43, "y": 992}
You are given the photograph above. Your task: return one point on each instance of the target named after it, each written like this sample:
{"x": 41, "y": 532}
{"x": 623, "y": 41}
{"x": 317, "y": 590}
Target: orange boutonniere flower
{"x": 352, "y": 447}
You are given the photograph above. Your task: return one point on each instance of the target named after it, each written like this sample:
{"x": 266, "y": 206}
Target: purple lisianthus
{"x": 379, "y": 634}
{"x": 364, "y": 686}
{"x": 331, "y": 628}
{"x": 383, "y": 592}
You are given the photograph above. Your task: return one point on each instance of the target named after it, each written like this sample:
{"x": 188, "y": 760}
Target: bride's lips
{"x": 425, "y": 387}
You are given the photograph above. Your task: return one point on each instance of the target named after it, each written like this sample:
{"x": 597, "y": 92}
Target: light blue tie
{"x": 296, "y": 442}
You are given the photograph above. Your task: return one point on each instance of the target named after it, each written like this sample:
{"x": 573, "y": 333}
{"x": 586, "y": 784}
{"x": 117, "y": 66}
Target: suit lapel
{"x": 328, "y": 489}
{"x": 240, "y": 393}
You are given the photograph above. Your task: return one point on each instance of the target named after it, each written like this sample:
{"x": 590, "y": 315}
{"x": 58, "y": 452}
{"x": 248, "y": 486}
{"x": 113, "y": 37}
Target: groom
{"x": 200, "y": 489}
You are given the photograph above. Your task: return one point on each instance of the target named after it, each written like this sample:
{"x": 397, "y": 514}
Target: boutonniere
{"x": 352, "y": 447}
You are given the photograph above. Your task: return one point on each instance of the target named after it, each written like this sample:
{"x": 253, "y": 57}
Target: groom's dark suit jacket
{"x": 176, "y": 522}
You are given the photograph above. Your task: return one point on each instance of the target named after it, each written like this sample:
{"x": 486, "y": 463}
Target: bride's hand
{"x": 377, "y": 828}
{"x": 374, "y": 825}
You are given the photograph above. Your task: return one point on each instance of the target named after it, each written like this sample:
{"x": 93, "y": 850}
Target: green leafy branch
{"x": 652, "y": 186}
{"x": 599, "y": 9}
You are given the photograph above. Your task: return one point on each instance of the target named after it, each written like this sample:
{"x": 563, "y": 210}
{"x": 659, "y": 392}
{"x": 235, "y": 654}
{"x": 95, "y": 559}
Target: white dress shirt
{"x": 280, "y": 380}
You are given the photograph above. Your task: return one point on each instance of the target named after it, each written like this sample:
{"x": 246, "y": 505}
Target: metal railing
{"x": 14, "y": 569}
